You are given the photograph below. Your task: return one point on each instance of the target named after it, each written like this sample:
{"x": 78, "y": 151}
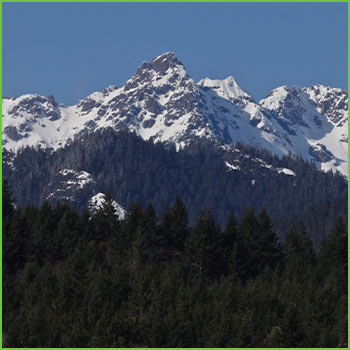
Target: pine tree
{"x": 144, "y": 240}
{"x": 8, "y": 208}
{"x": 15, "y": 241}
{"x": 105, "y": 220}
{"x": 173, "y": 225}
{"x": 63, "y": 240}
{"x": 228, "y": 242}
{"x": 334, "y": 253}
{"x": 331, "y": 298}
{"x": 271, "y": 249}
{"x": 248, "y": 249}
{"x": 300, "y": 256}
{"x": 153, "y": 245}
{"x": 131, "y": 234}
{"x": 203, "y": 246}
{"x": 42, "y": 233}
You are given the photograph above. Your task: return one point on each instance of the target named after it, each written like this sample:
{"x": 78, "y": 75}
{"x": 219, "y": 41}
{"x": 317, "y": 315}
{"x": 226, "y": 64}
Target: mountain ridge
{"x": 162, "y": 103}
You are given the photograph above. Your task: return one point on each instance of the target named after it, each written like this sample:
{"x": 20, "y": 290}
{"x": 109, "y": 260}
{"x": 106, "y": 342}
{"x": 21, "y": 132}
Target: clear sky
{"x": 71, "y": 50}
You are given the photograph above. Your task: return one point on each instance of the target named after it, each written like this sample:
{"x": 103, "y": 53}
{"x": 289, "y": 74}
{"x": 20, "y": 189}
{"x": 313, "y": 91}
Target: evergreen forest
{"x": 75, "y": 279}
{"x": 136, "y": 171}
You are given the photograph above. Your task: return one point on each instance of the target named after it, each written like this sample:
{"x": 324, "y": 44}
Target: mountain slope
{"x": 132, "y": 170}
{"x": 160, "y": 102}
{"x": 316, "y": 121}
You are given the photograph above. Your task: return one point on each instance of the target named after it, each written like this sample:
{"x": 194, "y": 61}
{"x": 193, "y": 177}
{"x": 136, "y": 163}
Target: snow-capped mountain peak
{"x": 316, "y": 120}
{"x": 282, "y": 94}
{"x": 331, "y": 102}
{"x": 227, "y": 88}
{"x": 166, "y": 60}
{"x": 162, "y": 70}
{"x": 160, "y": 102}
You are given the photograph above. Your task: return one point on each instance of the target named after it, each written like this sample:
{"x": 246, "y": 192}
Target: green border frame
{"x": 189, "y": 1}
{"x": 1, "y": 178}
{"x": 173, "y": 1}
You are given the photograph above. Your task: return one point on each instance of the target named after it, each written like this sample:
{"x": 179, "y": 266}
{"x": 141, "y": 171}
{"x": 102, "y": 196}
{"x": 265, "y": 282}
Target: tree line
{"x": 134, "y": 170}
{"x": 73, "y": 279}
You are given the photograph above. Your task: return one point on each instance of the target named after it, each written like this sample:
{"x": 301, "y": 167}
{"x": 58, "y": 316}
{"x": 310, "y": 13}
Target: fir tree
{"x": 300, "y": 256}
{"x": 8, "y": 208}
{"x": 173, "y": 224}
{"x": 203, "y": 246}
{"x": 271, "y": 249}
{"x": 228, "y": 242}
{"x": 105, "y": 220}
{"x": 248, "y": 250}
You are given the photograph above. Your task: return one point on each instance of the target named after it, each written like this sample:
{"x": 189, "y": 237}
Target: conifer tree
{"x": 14, "y": 243}
{"x": 105, "y": 220}
{"x": 334, "y": 253}
{"x": 202, "y": 245}
{"x": 299, "y": 253}
{"x": 271, "y": 249}
{"x": 248, "y": 250}
{"x": 228, "y": 242}
{"x": 331, "y": 297}
{"x": 153, "y": 244}
{"x": 173, "y": 224}
{"x": 42, "y": 233}
{"x": 131, "y": 234}
{"x": 7, "y": 202}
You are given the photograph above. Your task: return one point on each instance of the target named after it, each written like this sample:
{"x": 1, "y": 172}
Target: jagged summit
{"x": 329, "y": 101}
{"x": 169, "y": 57}
{"x": 162, "y": 103}
{"x": 227, "y": 88}
{"x": 161, "y": 64}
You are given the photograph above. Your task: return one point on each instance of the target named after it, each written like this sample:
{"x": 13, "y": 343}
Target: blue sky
{"x": 70, "y": 50}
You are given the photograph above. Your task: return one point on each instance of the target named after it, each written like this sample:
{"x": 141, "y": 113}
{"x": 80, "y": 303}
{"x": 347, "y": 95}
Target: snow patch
{"x": 232, "y": 167}
{"x": 97, "y": 201}
{"x": 79, "y": 178}
{"x": 227, "y": 88}
{"x": 286, "y": 171}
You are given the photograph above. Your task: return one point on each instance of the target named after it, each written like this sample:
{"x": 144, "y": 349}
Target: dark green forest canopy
{"x": 136, "y": 171}
{"x": 72, "y": 280}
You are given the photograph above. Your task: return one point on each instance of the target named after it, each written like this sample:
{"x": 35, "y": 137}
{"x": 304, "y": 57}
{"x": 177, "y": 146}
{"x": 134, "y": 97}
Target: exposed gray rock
{"x": 321, "y": 153}
{"x": 148, "y": 123}
{"x": 152, "y": 105}
{"x": 12, "y": 133}
{"x": 88, "y": 104}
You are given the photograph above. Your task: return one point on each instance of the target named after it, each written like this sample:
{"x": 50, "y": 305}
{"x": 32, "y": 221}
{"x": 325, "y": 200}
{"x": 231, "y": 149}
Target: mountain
{"x": 315, "y": 119}
{"x": 161, "y": 103}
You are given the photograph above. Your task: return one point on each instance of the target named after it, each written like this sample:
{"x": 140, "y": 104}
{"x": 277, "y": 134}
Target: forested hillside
{"x": 206, "y": 175}
{"x": 71, "y": 280}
